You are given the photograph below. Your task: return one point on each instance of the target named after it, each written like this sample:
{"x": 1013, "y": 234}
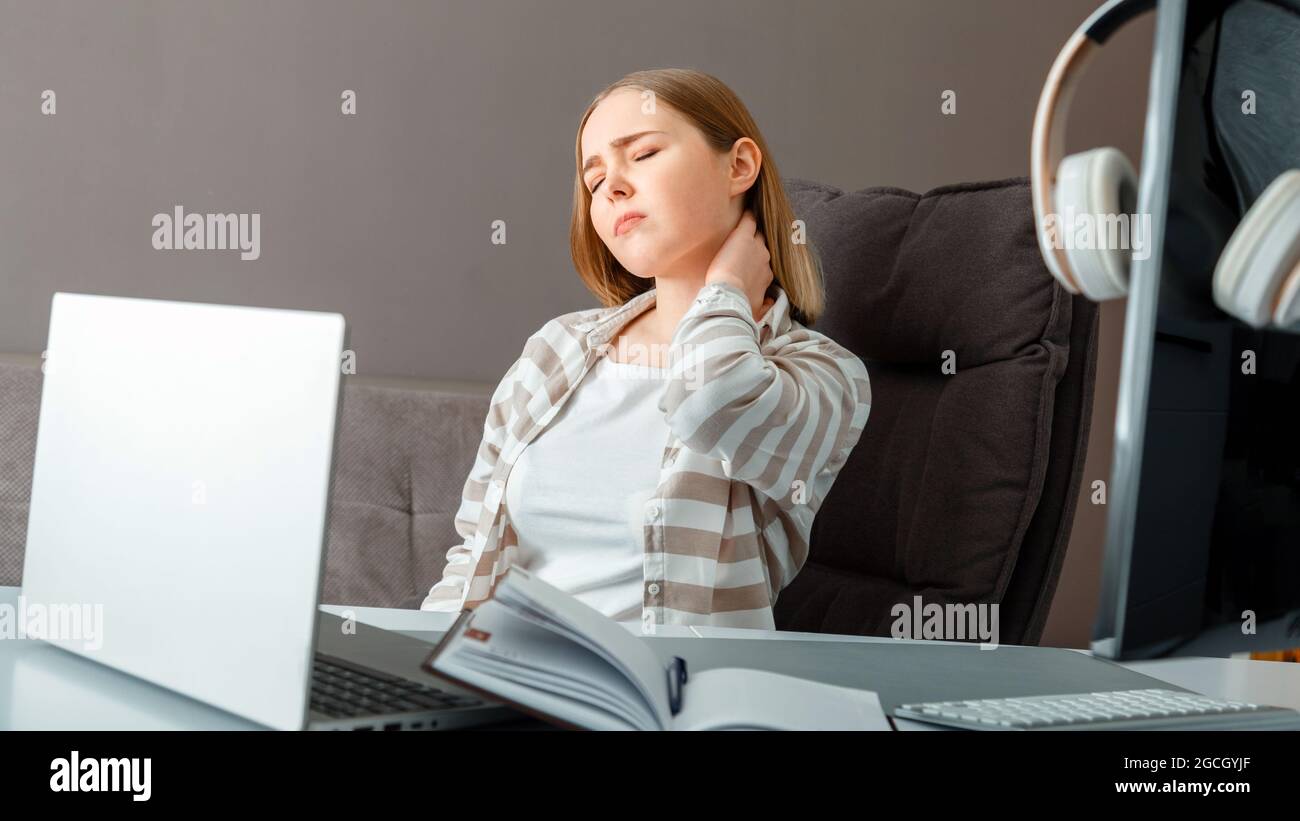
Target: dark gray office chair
{"x": 963, "y": 486}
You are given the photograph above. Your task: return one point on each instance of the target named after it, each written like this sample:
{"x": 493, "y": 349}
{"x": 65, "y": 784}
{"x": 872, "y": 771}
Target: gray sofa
{"x": 962, "y": 488}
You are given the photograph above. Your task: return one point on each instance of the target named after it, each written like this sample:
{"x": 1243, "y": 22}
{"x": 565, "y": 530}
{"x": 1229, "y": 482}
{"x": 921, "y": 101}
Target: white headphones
{"x": 1257, "y": 278}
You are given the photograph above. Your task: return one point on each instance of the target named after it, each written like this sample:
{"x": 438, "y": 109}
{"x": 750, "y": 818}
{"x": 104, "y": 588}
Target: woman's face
{"x": 689, "y": 194}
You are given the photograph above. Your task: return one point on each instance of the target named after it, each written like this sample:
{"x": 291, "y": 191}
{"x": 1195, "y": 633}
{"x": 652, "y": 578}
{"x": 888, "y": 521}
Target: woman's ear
{"x": 746, "y": 163}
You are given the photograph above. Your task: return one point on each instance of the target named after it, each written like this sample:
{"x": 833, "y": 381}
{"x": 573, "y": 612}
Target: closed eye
{"x": 638, "y": 159}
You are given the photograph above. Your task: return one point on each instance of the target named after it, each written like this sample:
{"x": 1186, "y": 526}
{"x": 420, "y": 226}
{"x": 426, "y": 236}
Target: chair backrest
{"x": 962, "y": 489}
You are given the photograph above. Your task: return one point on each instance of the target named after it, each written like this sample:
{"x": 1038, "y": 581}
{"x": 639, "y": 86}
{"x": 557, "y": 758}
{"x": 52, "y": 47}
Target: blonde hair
{"x": 721, "y": 118}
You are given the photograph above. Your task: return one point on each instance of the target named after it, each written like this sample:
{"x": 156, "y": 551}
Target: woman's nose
{"x": 616, "y": 185}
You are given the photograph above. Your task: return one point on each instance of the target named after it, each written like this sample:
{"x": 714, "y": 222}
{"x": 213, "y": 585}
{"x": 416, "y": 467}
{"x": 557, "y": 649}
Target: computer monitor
{"x": 1203, "y": 534}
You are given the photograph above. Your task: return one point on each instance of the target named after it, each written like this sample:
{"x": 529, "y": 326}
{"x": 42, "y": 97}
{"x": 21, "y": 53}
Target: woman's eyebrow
{"x": 594, "y": 159}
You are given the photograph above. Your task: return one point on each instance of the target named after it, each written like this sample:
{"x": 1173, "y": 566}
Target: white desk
{"x": 1261, "y": 682}
{"x": 42, "y": 687}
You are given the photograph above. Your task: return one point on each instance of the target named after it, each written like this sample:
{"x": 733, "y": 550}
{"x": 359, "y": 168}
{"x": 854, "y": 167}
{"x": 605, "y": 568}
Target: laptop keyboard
{"x": 341, "y": 689}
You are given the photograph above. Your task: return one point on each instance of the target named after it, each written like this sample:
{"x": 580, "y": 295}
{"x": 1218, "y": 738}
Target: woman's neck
{"x": 653, "y": 328}
{"x": 673, "y": 298}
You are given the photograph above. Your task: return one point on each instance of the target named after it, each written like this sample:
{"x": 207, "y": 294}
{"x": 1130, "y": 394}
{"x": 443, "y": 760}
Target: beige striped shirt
{"x": 761, "y": 417}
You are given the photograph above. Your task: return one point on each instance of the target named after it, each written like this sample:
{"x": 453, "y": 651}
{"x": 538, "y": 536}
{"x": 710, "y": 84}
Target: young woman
{"x": 662, "y": 457}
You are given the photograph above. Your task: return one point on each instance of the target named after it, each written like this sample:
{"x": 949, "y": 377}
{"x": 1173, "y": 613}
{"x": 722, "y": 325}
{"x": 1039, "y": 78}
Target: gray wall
{"x": 466, "y": 114}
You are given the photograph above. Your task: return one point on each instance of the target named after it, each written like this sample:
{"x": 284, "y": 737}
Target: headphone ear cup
{"x": 1258, "y": 274}
{"x": 1287, "y": 313}
{"x": 1099, "y": 186}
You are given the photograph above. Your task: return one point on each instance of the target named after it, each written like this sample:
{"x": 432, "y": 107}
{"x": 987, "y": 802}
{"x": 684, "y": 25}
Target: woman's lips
{"x": 627, "y": 225}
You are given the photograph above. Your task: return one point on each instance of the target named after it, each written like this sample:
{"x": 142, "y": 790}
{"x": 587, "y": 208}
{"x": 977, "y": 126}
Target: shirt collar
{"x": 608, "y": 323}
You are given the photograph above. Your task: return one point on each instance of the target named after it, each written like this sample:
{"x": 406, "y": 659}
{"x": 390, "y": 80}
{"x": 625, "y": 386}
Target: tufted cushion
{"x": 20, "y": 406}
{"x": 940, "y": 492}
{"x": 404, "y": 454}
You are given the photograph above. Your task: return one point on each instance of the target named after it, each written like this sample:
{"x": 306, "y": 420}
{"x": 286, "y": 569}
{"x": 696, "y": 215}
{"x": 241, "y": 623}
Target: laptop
{"x": 180, "y": 500}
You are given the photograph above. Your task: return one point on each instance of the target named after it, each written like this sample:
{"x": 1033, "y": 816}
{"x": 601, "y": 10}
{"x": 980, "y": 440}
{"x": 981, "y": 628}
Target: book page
{"x": 733, "y": 698}
{"x": 551, "y": 608}
{"x": 498, "y": 642}
{"x": 567, "y": 709}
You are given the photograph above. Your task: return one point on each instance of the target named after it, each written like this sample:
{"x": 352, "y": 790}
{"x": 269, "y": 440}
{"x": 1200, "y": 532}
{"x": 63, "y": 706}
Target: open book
{"x": 538, "y": 649}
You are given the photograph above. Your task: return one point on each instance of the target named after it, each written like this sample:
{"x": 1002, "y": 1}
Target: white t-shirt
{"x": 576, "y": 495}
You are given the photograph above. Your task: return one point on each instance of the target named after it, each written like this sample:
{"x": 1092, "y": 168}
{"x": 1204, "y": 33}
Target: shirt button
{"x": 653, "y": 588}
{"x": 653, "y": 512}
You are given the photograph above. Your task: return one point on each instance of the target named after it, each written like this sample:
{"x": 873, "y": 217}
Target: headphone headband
{"x": 1047, "y": 144}
{"x": 1112, "y": 17}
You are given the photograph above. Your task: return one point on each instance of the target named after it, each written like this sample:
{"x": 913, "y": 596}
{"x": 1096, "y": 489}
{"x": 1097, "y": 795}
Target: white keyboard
{"x": 1117, "y": 710}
